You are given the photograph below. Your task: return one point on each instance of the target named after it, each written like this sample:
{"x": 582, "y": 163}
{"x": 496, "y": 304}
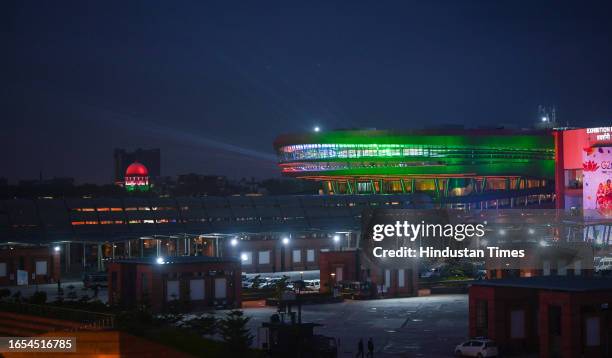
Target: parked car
{"x": 431, "y": 273}
{"x": 93, "y": 280}
{"x": 477, "y": 347}
{"x": 356, "y": 290}
{"x": 604, "y": 265}
{"x": 481, "y": 274}
{"x": 312, "y": 285}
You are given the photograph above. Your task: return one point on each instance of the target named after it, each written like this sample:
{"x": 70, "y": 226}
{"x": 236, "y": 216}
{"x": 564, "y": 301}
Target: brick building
{"x": 29, "y": 265}
{"x": 352, "y": 265}
{"x": 552, "y": 259}
{"x": 560, "y": 316}
{"x": 193, "y": 282}
{"x": 281, "y": 254}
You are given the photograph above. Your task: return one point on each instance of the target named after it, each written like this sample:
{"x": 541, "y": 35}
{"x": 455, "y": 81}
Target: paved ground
{"x": 405, "y": 327}
{"x": 402, "y": 327}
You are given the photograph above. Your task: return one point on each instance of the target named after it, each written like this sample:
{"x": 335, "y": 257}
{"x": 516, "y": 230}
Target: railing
{"x": 89, "y": 319}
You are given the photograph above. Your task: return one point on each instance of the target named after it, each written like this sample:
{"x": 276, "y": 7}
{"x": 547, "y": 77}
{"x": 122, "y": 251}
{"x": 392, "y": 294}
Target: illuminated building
{"x": 151, "y": 158}
{"x": 136, "y": 177}
{"x": 444, "y": 163}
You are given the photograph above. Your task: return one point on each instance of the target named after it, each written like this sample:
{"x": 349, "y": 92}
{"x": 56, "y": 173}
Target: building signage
{"x": 597, "y": 182}
{"x": 600, "y": 133}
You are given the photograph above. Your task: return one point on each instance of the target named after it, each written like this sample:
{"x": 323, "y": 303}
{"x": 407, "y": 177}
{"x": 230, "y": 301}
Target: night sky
{"x": 213, "y": 83}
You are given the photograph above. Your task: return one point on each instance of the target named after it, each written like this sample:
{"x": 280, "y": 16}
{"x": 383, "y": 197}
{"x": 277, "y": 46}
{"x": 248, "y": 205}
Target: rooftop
{"x": 555, "y": 283}
{"x": 178, "y": 260}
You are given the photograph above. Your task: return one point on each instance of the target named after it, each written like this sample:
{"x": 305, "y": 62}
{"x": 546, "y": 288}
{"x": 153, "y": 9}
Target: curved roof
{"x": 136, "y": 170}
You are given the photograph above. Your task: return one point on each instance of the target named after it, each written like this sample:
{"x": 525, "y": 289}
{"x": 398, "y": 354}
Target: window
{"x": 517, "y": 324}
{"x": 339, "y": 272}
{"x": 482, "y": 318}
{"x": 297, "y": 255}
{"x": 546, "y": 268}
{"x": 172, "y": 290}
{"x": 387, "y": 279}
{"x": 592, "y": 332}
{"x": 2, "y": 269}
{"x": 310, "y": 255}
{"x": 246, "y": 258}
{"x": 196, "y": 289}
{"x": 400, "y": 278}
{"x": 41, "y": 267}
{"x": 264, "y": 257}
{"x": 220, "y": 288}
{"x": 561, "y": 268}
{"x": 578, "y": 268}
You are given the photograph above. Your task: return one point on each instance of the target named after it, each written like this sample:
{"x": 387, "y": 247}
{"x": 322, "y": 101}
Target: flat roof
{"x": 178, "y": 260}
{"x": 554, "y": 283}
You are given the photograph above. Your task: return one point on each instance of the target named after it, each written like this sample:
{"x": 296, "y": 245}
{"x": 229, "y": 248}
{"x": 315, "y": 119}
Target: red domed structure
{"x": 136, "y": 169}
{"x": 136, "y": 177}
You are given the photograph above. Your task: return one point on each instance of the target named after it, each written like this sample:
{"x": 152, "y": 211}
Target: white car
{"x": 312, "y": 285}
{"x": 605, "y": 264}
{"x": 477, "y": 348}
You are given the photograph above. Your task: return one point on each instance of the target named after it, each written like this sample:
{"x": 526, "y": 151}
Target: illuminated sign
{"x": 597, "y": 188}
{"x": 601, "y": 133}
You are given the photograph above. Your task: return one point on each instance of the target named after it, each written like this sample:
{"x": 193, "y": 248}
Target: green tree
{"x": 203, "y": 324}
{"x": 39, "y": 298}
{"x": 280, "y": 287}
{"x": 256, "y": 281}
{"x": 234, "y": 332}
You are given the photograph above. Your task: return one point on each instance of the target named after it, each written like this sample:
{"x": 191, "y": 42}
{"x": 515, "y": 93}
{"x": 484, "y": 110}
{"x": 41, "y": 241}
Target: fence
{"x": 95, "y": 320}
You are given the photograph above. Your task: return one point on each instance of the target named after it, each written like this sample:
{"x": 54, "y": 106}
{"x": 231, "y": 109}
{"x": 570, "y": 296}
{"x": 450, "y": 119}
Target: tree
{"x": 256, "y": 281}
{"x": 39, "y": 298}
{"x": 234, "y": 332}
{"x": 203, "y": 324}
{"x": 280, "y": 287}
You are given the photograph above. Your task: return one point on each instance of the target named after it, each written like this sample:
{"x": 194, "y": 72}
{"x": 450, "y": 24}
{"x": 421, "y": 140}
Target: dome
{"x": 136, "y": 170}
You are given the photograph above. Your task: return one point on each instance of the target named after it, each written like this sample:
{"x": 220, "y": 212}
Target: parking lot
{"x": 428, "y": 326}
{"x": 404, "y": 327}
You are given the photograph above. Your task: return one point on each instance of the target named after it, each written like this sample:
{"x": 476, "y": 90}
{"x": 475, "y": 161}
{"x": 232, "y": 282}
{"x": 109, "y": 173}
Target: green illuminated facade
{"x": 448, "y": 163}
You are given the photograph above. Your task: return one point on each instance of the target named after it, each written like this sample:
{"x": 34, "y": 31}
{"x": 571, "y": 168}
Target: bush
{"x": 4, "y": 293}
{"x": 203, "y": 325}
{"x": 38, "y": 298}
{"x": 234, "y": 332}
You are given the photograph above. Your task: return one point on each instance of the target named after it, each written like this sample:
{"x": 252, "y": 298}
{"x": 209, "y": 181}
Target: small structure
{"x": 338, "y": 268}
{"x": 182, "y": 282}
{"x": 29, "y": 265}
{"x": 561, "y": 316}
{"x": 136, "y": 177}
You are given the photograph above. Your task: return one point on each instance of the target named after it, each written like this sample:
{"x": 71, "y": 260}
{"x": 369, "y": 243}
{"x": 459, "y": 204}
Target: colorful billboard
{"x": 597, "y": 188}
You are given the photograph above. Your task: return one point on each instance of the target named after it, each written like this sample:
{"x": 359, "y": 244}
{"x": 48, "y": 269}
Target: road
{"x": 404, "y": 327}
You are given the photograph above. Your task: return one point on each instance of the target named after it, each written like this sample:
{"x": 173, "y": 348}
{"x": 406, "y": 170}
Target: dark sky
{"x": 213, "y": 83}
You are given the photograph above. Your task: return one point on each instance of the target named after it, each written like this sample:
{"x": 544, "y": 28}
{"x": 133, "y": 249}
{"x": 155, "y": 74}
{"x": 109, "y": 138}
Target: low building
{"x": 182, "y": 282}
{"x": 547, "y": 259}
{"x": 350, "y": 265}
{"x": 29, "y": 265}
{"x": 559, "y": 316}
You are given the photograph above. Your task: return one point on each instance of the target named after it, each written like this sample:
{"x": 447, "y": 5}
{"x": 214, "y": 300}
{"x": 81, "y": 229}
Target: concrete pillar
{"x": 100, "y": 265}
{"x": 84, "y": 256}
{"x": 157, "y": 247}
{"x": 67, "y": 255}
{"x": 141, "y": 246}
{"x": 129, "y": 248}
